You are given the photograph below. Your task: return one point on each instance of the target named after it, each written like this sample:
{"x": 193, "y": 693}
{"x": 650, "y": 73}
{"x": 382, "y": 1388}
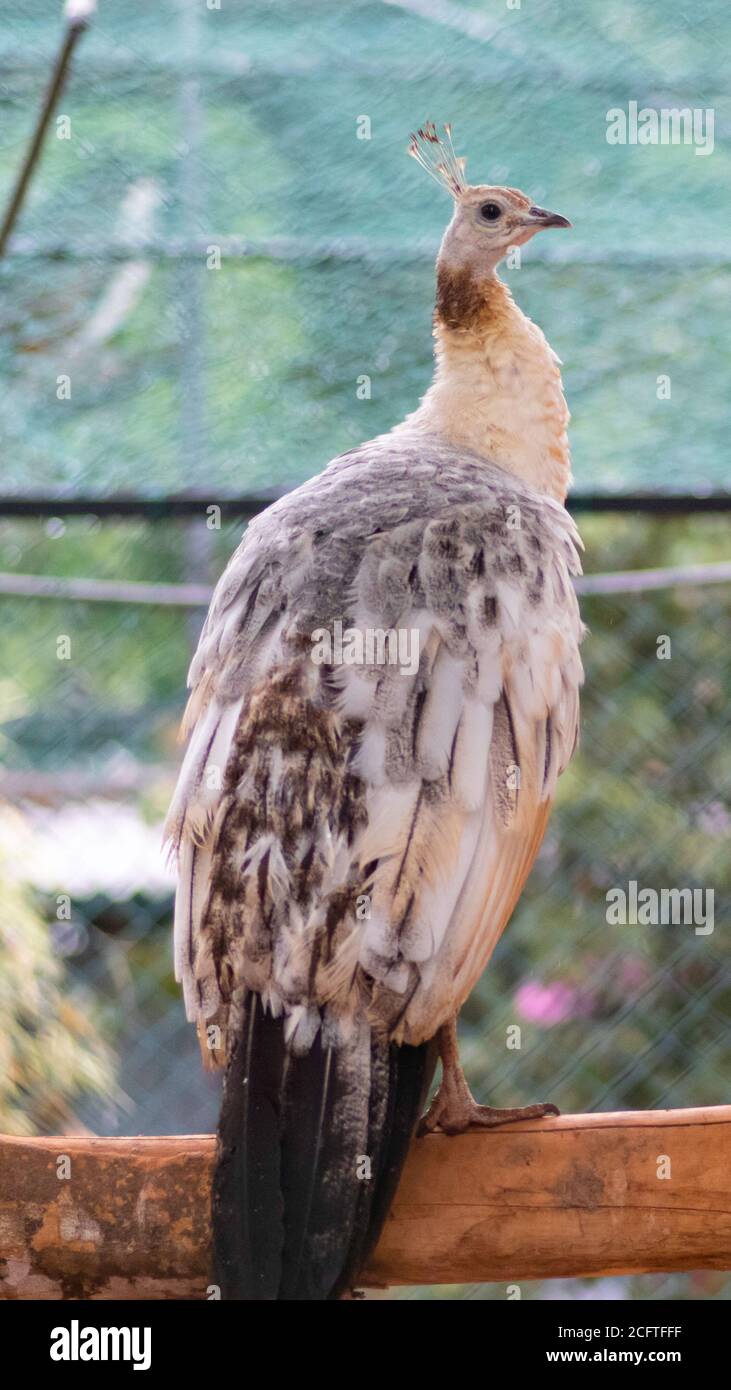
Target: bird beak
{"x": 541, "y": 217}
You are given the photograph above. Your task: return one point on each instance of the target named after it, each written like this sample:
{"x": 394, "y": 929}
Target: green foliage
{"x": 244, "y": 378}
{"x": 247, "y": 134}
{"x": 648, "y": 798}
{"x": 52, "y": 1056}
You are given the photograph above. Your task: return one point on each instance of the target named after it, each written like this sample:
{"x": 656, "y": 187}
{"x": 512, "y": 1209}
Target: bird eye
{"x": 490, "y": 211}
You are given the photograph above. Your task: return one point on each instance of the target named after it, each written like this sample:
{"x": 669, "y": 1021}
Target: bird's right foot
{"x": 454, "y": 1109}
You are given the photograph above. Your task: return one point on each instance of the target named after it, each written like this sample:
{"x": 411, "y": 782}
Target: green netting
{"x": 237, "y": 128}
{"x": 241, "y": 123}
{"x": 612, "y": 1017}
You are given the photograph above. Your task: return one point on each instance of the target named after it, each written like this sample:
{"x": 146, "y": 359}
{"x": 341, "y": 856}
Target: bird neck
{"x": 497, "y": 383}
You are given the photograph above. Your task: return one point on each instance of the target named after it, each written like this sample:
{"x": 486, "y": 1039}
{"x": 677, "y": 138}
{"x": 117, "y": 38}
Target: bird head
{"x": 488, "y": 220}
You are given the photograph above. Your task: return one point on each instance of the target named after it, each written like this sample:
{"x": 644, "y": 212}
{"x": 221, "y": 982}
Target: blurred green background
{"x": 236, "y": 128}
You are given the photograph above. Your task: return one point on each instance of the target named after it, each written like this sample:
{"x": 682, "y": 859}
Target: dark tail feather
{"x": 295, "y": 1214}
{"x": 247, "y": 1207}
{"x": 402, "y": 1077}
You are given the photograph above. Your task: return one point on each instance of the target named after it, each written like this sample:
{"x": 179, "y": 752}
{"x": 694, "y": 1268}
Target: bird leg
{"x": 454, "y": 1108}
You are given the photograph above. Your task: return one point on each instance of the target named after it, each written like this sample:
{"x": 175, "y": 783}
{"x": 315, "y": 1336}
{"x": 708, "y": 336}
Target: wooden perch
{"x": 579, "y": 1195}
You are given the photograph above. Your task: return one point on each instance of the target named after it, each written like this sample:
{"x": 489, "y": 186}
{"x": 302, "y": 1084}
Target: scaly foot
{"x": 454, "y": 1108}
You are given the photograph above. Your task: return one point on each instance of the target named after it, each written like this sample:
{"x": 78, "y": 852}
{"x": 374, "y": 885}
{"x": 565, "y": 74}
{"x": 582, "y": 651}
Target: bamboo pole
{"x": 78, "y": 14}
{"x": 579, "y": 1195}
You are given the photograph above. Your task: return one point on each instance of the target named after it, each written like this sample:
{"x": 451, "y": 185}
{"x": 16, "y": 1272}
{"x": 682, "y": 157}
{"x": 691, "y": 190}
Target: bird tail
{"x": 310, "y": 1150}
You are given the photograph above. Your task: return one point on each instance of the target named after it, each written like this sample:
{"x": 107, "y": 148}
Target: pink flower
{"x": 546, "y": 1005}
{"x": 633, "y": 973}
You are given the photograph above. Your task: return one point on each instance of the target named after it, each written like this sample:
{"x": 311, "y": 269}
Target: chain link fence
{"x": 224, "y": 233}
{"x": 611, "y": 1015}
{"x": 222, "y": 241}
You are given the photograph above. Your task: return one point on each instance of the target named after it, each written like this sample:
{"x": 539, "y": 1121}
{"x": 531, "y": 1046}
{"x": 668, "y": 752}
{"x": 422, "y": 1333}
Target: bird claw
{"x": 454, "y": 1110}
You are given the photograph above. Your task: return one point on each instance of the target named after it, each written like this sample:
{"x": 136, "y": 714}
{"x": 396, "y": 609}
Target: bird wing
{"x": 354, "y": 833}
